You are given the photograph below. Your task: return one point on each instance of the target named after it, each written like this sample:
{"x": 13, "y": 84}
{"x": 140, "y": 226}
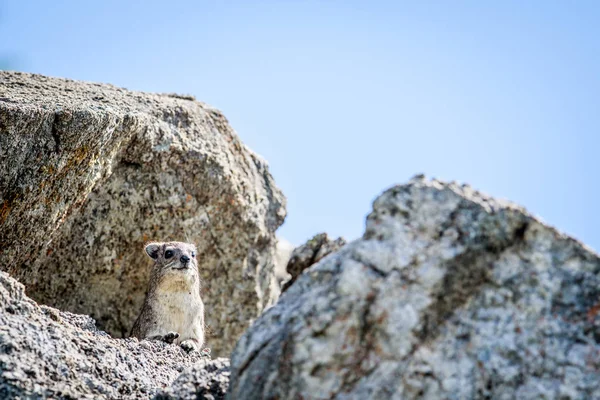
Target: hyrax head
{"x": 173, "y": 255}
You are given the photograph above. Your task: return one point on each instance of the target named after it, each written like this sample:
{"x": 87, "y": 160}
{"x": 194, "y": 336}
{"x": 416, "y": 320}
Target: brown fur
{"x": 173, "y": 303}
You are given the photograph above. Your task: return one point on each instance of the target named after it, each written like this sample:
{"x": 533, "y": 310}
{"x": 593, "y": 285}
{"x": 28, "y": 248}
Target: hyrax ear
{"x": 153, "y": 249}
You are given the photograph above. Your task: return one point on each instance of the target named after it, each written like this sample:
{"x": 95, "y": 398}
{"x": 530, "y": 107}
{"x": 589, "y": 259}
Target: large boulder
{"x": 90, "y": 172}
{"x": 45, "y": 353}
{"x": 449, "y": 294}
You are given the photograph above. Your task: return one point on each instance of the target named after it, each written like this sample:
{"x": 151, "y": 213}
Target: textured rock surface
{"x": 282, "y": 256}
{"x": 310, "y": 253}
{"x": 449, "y": 294}
{"x": 45, "y": 353}
{"x": 206, "y": 380}
{"x": 90, "y": 172}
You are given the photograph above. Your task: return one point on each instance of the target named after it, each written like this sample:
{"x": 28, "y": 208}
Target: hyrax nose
{"x": 184, "y": 259}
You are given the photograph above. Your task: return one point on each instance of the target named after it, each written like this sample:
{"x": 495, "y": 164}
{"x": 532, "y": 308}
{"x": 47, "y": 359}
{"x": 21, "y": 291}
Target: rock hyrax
{"x": 173, "y": 310}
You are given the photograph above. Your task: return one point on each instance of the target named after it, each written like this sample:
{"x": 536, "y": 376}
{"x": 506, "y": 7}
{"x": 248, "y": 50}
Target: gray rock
{"x": 283, "y": 253}
{"x": 45, "y": 353}
{"x": 91, "y": 171}
{"x": 449, "y": 294}
{"x": 206, "y": 380}
{"x": 310, "y": 253}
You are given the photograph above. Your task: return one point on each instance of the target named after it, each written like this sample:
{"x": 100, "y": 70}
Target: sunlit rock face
{"x": 448, "y": 294}
{"x": 90, "y": 172}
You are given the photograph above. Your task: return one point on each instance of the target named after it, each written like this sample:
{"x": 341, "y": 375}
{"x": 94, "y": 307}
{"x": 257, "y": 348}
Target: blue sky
{"x": 346, "y": 98}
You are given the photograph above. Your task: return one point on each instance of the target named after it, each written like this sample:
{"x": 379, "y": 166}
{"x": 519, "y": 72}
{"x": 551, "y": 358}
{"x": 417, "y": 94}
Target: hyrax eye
{"x": 168, "y": 253}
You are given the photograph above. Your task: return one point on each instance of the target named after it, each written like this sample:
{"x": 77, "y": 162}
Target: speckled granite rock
{"x": 45, "y": 353}
{"x": 90, "y": 172}
{"x": 207, "y": 380}
{"x": 310, "y": 253}
{"x": 449, "y": 294}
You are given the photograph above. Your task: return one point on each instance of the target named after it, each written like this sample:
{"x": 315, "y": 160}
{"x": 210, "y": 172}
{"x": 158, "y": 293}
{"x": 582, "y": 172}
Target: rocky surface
{"x": 282, "y": 256}
{"x": 207, "y": 380}
{"x": 310, "y": 253}
{"x": 91, "y": 171}
{"x": 45, "y": 353}
{"x": 449, "y": 294}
